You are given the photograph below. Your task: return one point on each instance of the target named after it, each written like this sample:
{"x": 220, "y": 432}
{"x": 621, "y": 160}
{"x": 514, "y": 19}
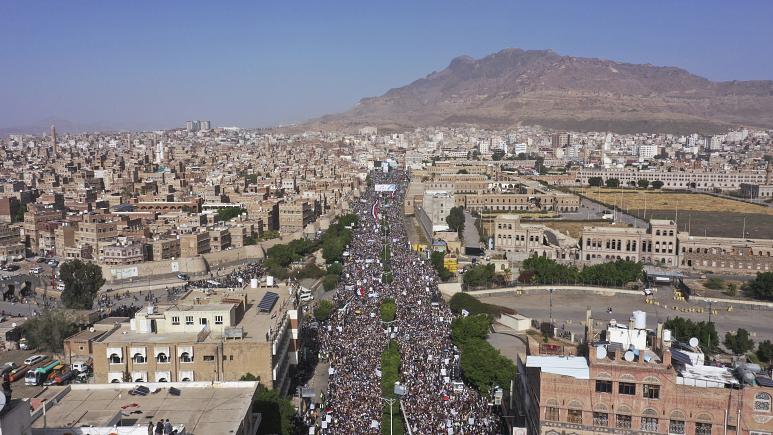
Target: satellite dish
{"x": 628, "y": 356}
{"x": 601, "y": 352}
{"x": 13, "y": 325}
{"x": 91, "y": 329}
{"x": 2, "y": 401}
{"x": 693, "y": 342}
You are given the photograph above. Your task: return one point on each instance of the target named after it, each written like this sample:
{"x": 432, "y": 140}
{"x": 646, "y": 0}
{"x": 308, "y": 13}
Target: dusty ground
{"x": 573, "y": 227}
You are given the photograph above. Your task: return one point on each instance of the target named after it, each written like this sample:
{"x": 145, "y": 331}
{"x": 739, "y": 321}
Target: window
{"x": 138, "y": 358}
{"x": 762, "y": 402}
{"x": 574, "y": 416}
{"x": 603, "y": 386}
{"x": 189, "y": 320}
{"x": 702, "y": 428}
{"x": 651, "y": 391}
{"x": 623, "y": 421}
{"x": 676, "y": 427}
{"x": 551, "y": 413}
{"x": 627, "y": 388}
{"x": 218, "y": 320}
{"x": 202, "y": 320}
{"x": 209, "y": 357}
{"x": 175, "y": 320}
{"x": 649, "y": 424}
{"x": 600, "y": 419}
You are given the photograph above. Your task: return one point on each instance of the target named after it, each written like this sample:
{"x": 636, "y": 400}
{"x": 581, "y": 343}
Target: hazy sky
{"x": 154, "y": 64}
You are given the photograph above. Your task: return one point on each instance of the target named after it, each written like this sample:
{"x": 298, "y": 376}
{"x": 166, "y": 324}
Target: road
{"x": 569, "y": 309}
{"x": 470, "y": 235}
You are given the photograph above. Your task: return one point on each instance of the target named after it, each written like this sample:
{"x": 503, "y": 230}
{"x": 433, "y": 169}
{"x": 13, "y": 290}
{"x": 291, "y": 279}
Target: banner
{"x": 385, "y": 187}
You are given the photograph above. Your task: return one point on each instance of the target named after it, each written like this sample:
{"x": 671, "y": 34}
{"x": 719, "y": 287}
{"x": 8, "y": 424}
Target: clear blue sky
{"x": 154, "y": 64}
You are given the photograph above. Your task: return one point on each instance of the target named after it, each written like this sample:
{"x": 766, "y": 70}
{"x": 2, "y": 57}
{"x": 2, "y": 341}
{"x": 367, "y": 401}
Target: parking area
{"x": 18, "y": 356}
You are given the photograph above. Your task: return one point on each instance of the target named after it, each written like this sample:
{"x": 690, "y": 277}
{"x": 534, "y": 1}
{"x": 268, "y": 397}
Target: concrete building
{"x": 193, "y": 244}
{"x": 295, "y": 215}
{"x": 657, "y": 244}
{"x": 164, "y": 248}
{"x": 10, "y": 242}
{"x": 122, "y": 251}
{"x": 677, "y": 179}
{"x": 190, "y": 407}
{"x": 437, "y": 204}
{"x": 208, "y": 335}
{"x": 636, "y": 380}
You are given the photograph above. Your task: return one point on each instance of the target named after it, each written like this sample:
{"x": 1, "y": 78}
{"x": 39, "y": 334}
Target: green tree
{"x": 19, "y": 216}
{"x": 765, "y": 351}
{"x": 323, "y": 310}
{"x": 482, "y": 364}
{"x": 81, "y": 281}
{"x": 595, "y": 181}
{"x": 464, "y": 301}
{"x": 761, "y": 287}
{"x": 228, "y": 213}
{"x": 310, "y": 270}
{"x": 739, "y": 342}
{"x": 657, "y": 184}
{"x": 714, "y": 283}
{"x": 479, "y": 275}
{"x": 612, "y": 182}
{"x": 388, "y": 310}
{"x": 48, "y": 331}
{"x": 390, "y": 373}
{"x": 498, "y": 155}
{"x": 643, "y": 183}
{"x": 335, "y": 269}
{"x": 684, "y": 329}
{"x": 276, "y": 411}
{"x": 329, "y": 282}
{"x": 455, "y": 219}
{"x": 248, "y": 377}
{"x": 546, "y": 271}
{"x": 438, "y": 259}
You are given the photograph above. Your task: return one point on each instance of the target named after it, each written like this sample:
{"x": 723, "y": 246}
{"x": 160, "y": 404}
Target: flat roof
{"x": 202, "y": 407}
{"x": 574, "y": 366}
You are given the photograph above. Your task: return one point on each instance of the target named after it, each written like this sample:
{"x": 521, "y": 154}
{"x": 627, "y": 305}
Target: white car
{"x": 35, "y": 270}
{"x": 306, "y": 297}
{"x": 34, "y": 359}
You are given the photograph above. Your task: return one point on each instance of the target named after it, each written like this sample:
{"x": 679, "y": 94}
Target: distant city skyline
{"x": 147, "y": 65}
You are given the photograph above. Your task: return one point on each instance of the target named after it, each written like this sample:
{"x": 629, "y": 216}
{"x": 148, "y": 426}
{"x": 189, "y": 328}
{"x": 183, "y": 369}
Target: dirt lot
{"x": 573, "y": 227}
{"x": 633, "y": 200}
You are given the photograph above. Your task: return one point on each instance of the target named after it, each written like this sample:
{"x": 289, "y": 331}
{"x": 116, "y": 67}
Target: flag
{"x": 374, "y": 209}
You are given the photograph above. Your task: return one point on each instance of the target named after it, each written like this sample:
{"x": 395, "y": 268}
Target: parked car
{"x": 182, "y": 276}
{"x": 53, "y": 263}
{"x": 41, "y": 260}
{"x": 34, "y": 359}
{"x": 35, "y": 270}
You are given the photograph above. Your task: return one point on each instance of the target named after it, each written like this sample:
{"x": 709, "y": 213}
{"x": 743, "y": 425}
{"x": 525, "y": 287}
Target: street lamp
{"x": 550, "y": 310}
{"x": 399, "y": 391}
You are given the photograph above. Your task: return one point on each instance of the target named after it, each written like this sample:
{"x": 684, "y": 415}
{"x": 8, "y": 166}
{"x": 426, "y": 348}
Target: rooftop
{"x": 201, "y": 407}
{"x": 574, "y": 366}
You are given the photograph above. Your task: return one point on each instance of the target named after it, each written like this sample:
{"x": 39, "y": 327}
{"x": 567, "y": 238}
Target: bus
{"x": 40, "y": 374}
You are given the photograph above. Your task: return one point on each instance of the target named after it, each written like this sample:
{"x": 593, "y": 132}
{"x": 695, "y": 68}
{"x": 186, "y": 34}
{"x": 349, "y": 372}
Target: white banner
{"x": 385, "y": 187}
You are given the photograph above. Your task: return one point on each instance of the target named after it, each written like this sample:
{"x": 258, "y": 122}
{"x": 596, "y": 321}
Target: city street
{"x": 569, "y": 310}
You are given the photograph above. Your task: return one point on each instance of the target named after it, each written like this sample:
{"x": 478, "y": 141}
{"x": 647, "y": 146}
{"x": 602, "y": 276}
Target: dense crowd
{"x": 355, "y": 338}
{"x": 235, "y": 279}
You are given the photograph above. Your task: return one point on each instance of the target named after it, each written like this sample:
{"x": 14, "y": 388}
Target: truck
{"x": 40, "y": 374}
{"x": 82, "y": 364}
{"x": 63, "y": 377}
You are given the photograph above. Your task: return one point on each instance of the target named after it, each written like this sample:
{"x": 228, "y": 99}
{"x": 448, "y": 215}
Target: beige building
{"x": 437, "y": 204}
{"x": 295, "y": 215}
{"x": 123, "y": 251}
{"x": 657, "y": 244}
{"x": 726, "y": 255}
{"x": 208, "y": 335}
{"x": 164, "y": 249}
{"x": 193, "y": 244}
{"x": 677, "y": 179}
{"x": 10, "y": 242}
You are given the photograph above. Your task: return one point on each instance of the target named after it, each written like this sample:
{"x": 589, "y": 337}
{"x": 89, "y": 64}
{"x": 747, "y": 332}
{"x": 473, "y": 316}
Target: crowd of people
{"x": 355, "y": 337}
{"x": 235, "y": 279}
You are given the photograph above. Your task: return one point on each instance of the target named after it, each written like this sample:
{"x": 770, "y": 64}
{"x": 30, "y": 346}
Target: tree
{"x": 323, "y": 310}
{"x": 335, "y": 269}
{"x": 388, "y": 310}
{"x": 657, "y": 184}
{"x": 765, "y": 351}
{"x": 248, "y": 377}
{"x": 329, "y": 282}
{"x": 438, "y": 259}
{"x": 714, "y": 283}
{"x": 276, "y": 411}
{"x": 81, "y": 281}
{"x": 739, "y": 342}
{"x": 644, "y": 183}
{"x": 228, "y": 213}
{"x": 595, "y": 181}
{"x": 462, "y": 171}
{"x": 497, "y": 155}
{"x": 612, "y": 182}
{"x": 48, "y": 331}
{"x": 761, "y": 287}
{"x": 455, "y": 219}
{"x": 684, "y": 329}
{"x": 479, "y": 275}
{"x": 482, "y": 364}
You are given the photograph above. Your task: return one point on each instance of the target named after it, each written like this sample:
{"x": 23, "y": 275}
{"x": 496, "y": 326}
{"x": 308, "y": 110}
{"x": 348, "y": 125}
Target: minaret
{"x": 769, "y": 174}
{"x": 53, "y": 139}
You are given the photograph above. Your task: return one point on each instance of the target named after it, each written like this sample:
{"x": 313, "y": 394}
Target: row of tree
{"x": 483, "y": 366}
{"x": 542, "y": 270}
{"x": 438, "y": 262}
{"x": 615, "y": 182}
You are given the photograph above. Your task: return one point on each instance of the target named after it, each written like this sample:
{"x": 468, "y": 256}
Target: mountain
{"x": 541, "y": 87}
{"x": 43, "y": 127}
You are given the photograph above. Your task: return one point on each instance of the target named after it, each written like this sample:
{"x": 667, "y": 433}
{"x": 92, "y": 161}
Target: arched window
{"x": 138, "y": 358}
{"x": 162, "y": 358}
{"x": 762, "y": 402}
{"x": 185, "y": 357}
{"x": 115, "y": 358}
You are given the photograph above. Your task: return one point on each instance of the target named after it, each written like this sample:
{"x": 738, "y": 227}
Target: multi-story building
{"x": 677, "y": 179}
{"x": 10, "y": 242}
{"x": 219, "y": 239}
{"x": 537, "y": 201}
{"x": 295, "y": 215}
{"x": 559, "y": 140}
{"x": 193, "y": 244}
{"x": 164, "y": 248}
{"x": 209, "y": 335}
{"x": 437, "y": 204}
{"x": 33, "y": 218}
{"x": 635, "y": 380}
{"x": 725, "y": 255}
{"x": 122, "y": 251}
{"x": 656, "y": 244}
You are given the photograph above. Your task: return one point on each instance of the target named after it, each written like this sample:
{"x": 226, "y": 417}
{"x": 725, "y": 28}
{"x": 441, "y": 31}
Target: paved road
{"x": 470, "y": 234}
{"x": 570, "y": 309}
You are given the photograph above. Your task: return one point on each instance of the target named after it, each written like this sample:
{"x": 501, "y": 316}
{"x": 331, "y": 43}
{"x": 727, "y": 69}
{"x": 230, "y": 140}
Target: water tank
{"x": 666, "y": 335}
{"x": 269, "y": 281}
{"x": 639, "y": 319}
{"x": 601, "y": 352}
{"x": 253, "y": 283}
{"x": 628, "y": 356}
{"x": 151, "y": 309}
